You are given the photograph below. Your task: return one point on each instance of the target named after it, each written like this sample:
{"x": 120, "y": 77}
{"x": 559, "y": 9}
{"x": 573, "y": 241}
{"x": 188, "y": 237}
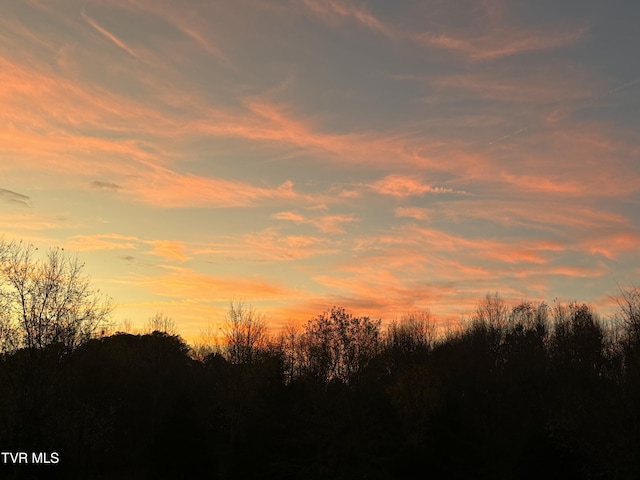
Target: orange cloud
{"x": 109, "y": 241}
{"x": 32, "y": 227}
{"x": 568, "y": 271}
{"x": 385, "y": 275}
{"x": 269, "y": 245}
{"x": 189, "y": 285}
{"x": 66, "y": 107}
{"x": 169, "y": 189}
{"x": 369, "y": 288}
{"x": 417, "y": 251}
{"x": 612, "y": 245}
{"x": 169, "y": 250}
{"x": 543, "y": 214}
{"x": 324, "y": 223}
{"x": 273, "y": 246}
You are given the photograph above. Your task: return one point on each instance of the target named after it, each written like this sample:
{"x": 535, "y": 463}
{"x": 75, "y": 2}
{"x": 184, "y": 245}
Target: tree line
{"x": 516, "y": 391}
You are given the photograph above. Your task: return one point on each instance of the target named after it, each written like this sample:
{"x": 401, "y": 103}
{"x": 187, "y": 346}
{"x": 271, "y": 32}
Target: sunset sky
{"x": 298, "y": 154}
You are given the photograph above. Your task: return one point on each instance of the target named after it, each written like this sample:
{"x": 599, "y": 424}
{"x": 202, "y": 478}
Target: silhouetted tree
{"x": 46, "y": 301}
{"x": 337, "y": 345}
{"x": 289, "y": 344}
{"x": 161, "y": 323}
{"x": 579, "y": 419}
{"x": 48, "y": 309}
{"x": 520, "y": 391}
{"x": 411, "y": 337}
{"x": 491, "y": 317}
{"x": 118, "y": 404}
{"x": 244, "y": 332}
{"x": 628, "y": 318}
{"x": 207, "y": 344}
{"x": 578, "y": 338}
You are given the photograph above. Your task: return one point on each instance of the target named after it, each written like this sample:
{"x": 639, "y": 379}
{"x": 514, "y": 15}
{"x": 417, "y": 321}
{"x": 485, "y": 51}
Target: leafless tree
{"x": 415, "y": 331}
{"x": 338, "y": 345}
{"x": 207, "y": 344}
{"x": 245, "y": 332}
{"x": 628, "y": 301}
{"x": 289, "y": 344}
{"x": 161, "y": 323}
{"x": 48, "y": 300}
{"x": 578, "y": 335}
{"x": 492, "y": 312}
{"x": 628, "y": 318}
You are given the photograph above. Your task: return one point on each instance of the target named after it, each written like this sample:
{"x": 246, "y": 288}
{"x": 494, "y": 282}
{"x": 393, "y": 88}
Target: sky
{"x": 381, "y": 156}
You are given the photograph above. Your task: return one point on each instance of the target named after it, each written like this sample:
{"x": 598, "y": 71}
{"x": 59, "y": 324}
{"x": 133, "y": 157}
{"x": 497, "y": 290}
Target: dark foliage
{"x": 524, "y": 392}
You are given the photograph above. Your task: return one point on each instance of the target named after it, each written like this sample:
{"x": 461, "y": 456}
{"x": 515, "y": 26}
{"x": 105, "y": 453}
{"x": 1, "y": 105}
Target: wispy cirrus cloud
{"x": 334, "y": 12}
{"x": 268, "y": 246}
{"x": 384, "y": 157}
{"x": 527, "y": 85}
{"x": 274, "y": 123}
{"x": 169, "y": 189}
{"x": 496, "y": 39}
{"x": 458, "y": 267}
{"x": 189, "y": 21}
{"x": 501, "y": 43}
{"x": 271, "y": 245}
{"x": 548, "y": 215}
{"x": 104, "y": 32}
